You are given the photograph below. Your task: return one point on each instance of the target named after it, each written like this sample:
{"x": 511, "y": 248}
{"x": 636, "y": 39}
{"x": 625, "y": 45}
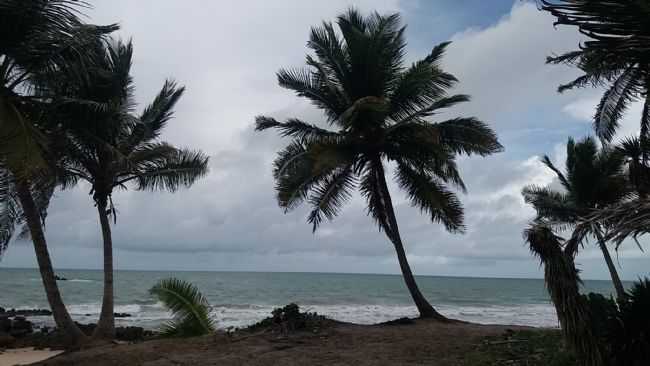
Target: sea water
{"x": 242, "y": 298}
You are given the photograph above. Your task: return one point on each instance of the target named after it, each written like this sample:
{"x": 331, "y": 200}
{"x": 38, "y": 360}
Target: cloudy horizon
{"x": 227, "y": 58}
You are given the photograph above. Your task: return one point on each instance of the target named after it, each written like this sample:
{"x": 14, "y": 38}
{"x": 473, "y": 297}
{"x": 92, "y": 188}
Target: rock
{"x": 26, "y": 312}
{"x": 2, "y": 310}
{"x": 5, "y": 324}
{"x": 122, "y": 315}
{"x": 60, "y": 278}
{"x": 6, "y": 340}
{"x": 129, "y": 334}
{"x": 21, "y": 327}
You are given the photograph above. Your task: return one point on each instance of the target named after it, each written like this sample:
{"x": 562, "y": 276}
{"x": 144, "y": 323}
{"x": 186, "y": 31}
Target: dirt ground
{"x": 424, "y": 342}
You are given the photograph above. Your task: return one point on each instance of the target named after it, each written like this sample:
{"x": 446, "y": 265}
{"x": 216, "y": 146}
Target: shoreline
{"x": 26, "y": 356}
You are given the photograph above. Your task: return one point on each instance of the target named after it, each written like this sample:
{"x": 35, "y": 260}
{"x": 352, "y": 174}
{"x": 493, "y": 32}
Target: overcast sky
{"x": 227, "y": 53}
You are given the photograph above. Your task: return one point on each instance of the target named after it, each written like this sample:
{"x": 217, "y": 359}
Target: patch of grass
{"x": 524, "y": 347}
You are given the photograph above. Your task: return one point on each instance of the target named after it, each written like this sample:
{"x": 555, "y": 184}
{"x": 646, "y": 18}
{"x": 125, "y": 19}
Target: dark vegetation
{"x": 289, "y": 319}
{"x": 609, "y": 204}
{"x": 522, "y": 348}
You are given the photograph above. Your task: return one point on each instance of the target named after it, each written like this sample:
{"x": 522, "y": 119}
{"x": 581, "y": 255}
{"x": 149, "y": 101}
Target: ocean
{"x": 242, "y": 298}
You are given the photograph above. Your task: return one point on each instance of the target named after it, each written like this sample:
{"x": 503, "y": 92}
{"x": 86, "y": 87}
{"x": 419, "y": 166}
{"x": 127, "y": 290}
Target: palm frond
{"x": 550, "y": 204}
{"x": 614, "y": 103}
{"x": 295, "y": 128}
{"x": 370, "y": 188}
{"x": 468, "y": 136}
{"x": 330, "y": 194}
{"x": 171, "y": 170}
{"x": 431, "y": 196}
{"x": 546, "y": 160}
{"x": 420, "y": 86}
{"x": 156, "y": 115}
{"x": 190, "y": 309}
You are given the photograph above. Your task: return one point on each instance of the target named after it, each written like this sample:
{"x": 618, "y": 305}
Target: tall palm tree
{"x": 38, "y": 38}
{"x": 616, "y": 55}
{"x": 380, "y": 110}
{"x": 110, "y": 147}
{"x": 594, "y": 179}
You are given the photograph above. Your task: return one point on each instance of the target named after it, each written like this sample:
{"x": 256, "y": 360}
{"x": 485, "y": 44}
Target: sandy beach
{"x": 420, "y": 342}
{"x": 25, "y": 356}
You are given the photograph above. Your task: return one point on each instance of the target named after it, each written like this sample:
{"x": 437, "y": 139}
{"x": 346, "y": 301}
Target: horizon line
{"x": 300, "y": 272}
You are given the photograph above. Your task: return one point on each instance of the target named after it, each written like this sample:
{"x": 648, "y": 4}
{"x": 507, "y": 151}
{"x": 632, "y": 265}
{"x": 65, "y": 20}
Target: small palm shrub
{"x": 190, "y": 309}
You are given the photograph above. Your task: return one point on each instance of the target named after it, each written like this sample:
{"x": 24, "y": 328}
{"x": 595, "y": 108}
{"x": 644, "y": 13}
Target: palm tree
{"x": 38, "y": 37}
{"x": 616, "y": 55}
{"x": 380, "y": 110}
{"x": 189, "y": 307}
{"x": 563, "y": 283}
{"x": 594, "y": 179}
{"x": 110, "y": 147}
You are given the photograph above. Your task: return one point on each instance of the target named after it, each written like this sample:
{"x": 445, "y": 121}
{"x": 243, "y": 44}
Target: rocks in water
{"x": 21, "y": 327}
{"x": 24, "y": 312}
{"x": 60, "y": 278}
{"x": 122, "y": 315}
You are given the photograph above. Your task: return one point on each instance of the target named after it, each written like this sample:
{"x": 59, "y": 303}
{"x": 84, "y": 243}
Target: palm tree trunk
{"x": 73, "y": 334}
{"x": 106, "y": 325}
{"x": 392, "y": 231}
{"x": 616, "y": 280}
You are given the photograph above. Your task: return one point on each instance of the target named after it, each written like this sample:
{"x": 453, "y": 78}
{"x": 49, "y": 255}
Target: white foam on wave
{"x": 81, "y": 280}
{"x": 530, "y": 315}
{"x": 241, "y": 315}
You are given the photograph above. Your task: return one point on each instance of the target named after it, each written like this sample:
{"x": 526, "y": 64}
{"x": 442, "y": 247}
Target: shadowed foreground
{"x": 422, "y": 342}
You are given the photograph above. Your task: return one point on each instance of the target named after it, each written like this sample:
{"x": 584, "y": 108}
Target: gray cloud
{"x": 227, "y": 56}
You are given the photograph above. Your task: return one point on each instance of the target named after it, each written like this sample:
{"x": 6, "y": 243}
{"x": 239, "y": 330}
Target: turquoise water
{"x": 241, "y": 298}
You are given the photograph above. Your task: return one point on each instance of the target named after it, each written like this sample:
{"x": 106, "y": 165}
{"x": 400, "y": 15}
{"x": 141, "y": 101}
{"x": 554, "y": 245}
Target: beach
{"x": 422, "y": 342}
{"x": 25, "y": 356}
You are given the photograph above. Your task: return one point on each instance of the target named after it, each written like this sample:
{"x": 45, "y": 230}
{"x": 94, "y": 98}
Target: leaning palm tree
{"x": 380, "y": 110}
{"x": 190, "y": 309}
{"x": 616, "y": 56}
{"x": 38, "y": 38}
{"x": 110, "y": 147}
{"x": 563, "y": 284}
{"x": 593, "y": 179}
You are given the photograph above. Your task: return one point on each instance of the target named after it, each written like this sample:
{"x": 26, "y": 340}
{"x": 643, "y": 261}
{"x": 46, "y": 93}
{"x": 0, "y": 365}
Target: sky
{"x": 227, "y": 53}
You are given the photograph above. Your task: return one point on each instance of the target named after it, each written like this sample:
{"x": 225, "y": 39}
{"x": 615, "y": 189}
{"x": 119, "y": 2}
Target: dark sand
{"x": 425, "y": 342}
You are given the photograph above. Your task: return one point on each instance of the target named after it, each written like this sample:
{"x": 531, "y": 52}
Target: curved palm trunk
{"x": 392, "y": 231}
{"x": 106, "y": 325}
{"x": 563, "y": 285}
{"x": 616, "y": 280}
{"x": 62, "y": 318}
